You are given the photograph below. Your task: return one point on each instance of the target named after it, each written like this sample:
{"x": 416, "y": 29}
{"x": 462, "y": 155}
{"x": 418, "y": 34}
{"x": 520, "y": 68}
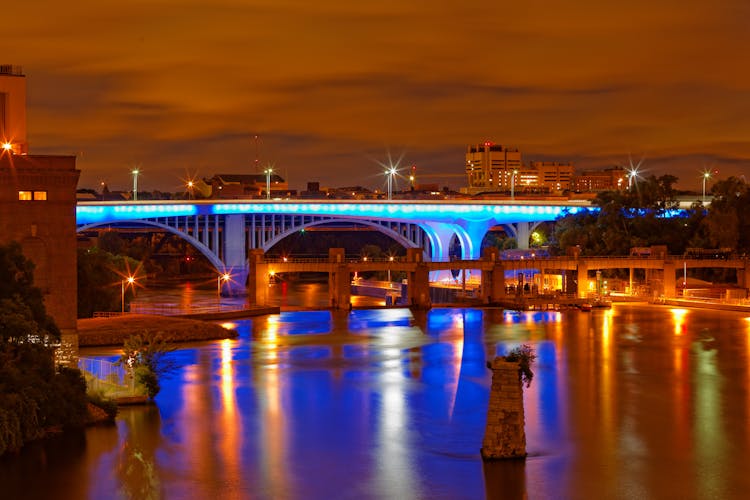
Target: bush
{"x": 524, "y": 356}
{"x": 99, "y": 400}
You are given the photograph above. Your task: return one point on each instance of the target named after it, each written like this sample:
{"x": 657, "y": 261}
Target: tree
{"x": 35, "y": 395}
{"x": 146, "y": 355}
{"x": 99, "y": 277}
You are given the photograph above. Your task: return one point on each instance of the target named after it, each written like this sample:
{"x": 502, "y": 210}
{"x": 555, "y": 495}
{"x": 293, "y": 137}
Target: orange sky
{"x": 180, "y": 87}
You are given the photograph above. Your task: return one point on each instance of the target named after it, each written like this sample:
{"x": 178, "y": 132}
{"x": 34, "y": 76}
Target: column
{"x": 235, "y": 257}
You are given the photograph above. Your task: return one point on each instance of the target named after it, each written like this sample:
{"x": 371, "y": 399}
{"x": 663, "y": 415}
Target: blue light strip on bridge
{"x": 91, "y": 213}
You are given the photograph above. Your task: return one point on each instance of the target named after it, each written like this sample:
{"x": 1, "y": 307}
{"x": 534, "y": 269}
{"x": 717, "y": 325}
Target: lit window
{"x": 24, "y": 196}
{"x": 40, "y": 195}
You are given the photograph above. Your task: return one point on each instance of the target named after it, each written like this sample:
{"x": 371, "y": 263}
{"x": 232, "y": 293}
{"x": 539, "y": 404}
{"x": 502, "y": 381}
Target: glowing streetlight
{"x": 268, "y": 173}
{"x": 130, "y": 280}
{"x": 135, "y": 173}
{"x": 633, "y": 171}
{"x": 222, "y": 277}
{"x": 706, "y": 176}
{"x": 190, "y": 186}
{"x": 390, "y": 259}
{"x": 390, "y": 173}
{"x": 513, "y": 184}
{"x": 7, "y": 146}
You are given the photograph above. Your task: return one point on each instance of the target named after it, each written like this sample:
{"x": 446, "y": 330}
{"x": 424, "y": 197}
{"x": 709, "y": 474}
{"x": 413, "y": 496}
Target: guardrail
{"x": 178, "y": 310}
{"x": 103, "y": 376}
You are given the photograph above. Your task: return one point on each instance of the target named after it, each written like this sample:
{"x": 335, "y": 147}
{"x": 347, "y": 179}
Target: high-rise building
{"x": 494, "y": 168}
{"x": 491, "y": 167}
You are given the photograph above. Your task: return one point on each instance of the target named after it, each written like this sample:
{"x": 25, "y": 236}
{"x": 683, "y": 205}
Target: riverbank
{"x": 95, "y": 332}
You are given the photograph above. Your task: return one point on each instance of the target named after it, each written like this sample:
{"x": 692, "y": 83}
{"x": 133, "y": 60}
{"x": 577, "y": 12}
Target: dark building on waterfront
{"x": 38, "y": 204}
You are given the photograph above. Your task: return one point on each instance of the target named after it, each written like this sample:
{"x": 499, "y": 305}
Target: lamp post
{"x": 390, "y": 259}
{"x": 130, "y": 281}
{"x": 222, "y": 277}
{"x": 706, "y": 175}
{"x": 390, "y": 173}
{"x": 513, "y": 185}
{"x": 268, "y": 172}
{"x": 190, "y": 189}
{"x": 135, "y": 173}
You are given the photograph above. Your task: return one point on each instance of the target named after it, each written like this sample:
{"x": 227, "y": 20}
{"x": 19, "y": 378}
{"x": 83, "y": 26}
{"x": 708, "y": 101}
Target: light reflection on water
{"x": 636, "y": 401}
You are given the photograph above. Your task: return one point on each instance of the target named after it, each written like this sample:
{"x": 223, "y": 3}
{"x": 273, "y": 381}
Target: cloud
{"x": 186, "y": 84}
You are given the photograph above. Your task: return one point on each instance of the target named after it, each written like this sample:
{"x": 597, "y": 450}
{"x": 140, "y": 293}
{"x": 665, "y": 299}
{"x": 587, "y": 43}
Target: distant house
{"x": 237, "y": 186}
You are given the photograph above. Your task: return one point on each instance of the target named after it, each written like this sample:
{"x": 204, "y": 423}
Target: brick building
{"x": 38, "y": 205}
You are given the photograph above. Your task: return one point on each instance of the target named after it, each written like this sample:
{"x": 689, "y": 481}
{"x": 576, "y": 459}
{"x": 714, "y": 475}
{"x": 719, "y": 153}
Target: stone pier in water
{"x": 504, "y": 436}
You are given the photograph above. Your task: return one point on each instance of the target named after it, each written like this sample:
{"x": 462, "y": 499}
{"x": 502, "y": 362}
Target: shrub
{"x": 524, "y": 356}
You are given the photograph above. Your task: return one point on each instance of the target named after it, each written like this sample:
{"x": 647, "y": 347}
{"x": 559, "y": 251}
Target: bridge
{"x": 665, "y": 270}
{"x": 224, "y": 230}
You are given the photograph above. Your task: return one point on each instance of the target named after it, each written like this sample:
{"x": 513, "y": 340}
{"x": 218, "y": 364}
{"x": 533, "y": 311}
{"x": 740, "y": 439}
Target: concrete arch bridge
{"x": 224, "y": 231}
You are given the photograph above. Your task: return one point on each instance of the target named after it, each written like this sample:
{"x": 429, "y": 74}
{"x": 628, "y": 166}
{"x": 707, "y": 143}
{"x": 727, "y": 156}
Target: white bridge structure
{"x": 224, "y": 231}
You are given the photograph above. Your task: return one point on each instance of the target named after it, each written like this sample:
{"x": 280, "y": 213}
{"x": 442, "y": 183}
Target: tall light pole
{"x": 190, "y": 186}
{"x": 130, "y": 281}
{"x": 222, "y": 277}
{"x": 390, "y": 173}
{"x": 135, "y": 173}
{"x": 513, "y": 184}
{"x": 706, "y": 176}
{"x": 268, "y": 172}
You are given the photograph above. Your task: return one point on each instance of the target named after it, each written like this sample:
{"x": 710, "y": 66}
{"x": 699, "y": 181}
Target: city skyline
{"x": 332, "y": 89}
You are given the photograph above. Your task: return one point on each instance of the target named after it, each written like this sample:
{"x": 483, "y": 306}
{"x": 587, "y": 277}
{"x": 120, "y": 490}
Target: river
{"x": 634, "y": 402}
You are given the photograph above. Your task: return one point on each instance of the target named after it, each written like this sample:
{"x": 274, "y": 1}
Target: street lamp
{"x": 222, "y": 277}
{"x": 390, "y": 173}
{"x": 190, "y": 186}
{"x": 513, "y": 184}
{"x": 268, "y": 172}
{"x": 390, "y": 259}
{"x": 706, "y": 175}
{"x": 130, "y": 280}
{"x": 135, "y": 173}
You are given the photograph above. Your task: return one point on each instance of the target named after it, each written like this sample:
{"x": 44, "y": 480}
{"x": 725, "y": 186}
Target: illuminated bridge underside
{"x": 224, "y": 231}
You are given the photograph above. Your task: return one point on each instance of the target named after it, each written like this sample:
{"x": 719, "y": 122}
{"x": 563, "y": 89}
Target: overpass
{"x": 224, "y": 230}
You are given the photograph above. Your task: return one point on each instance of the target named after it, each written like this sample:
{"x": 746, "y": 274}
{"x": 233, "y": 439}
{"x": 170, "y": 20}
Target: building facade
{"x": 494, "y": 168}
{"x": 592, "y": 181}
{"x": 491, "y": 167}
{"x": 38, "y": 205}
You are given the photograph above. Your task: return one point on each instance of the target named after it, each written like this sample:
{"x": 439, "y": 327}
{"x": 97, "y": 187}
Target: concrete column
{"x": 504, "y": 435}
{"x": 257, "y": 281}
{"x": 419, "y": 287}
{"x": 339, "y": 281}
{"x": 669, "y": 281}
{"x": 743, "y": 275}
{"x": 235, "y": 253}
{"x": 583, "y": 278}
{"x": 522, "y": 232}
{"x": 493, "y": 281}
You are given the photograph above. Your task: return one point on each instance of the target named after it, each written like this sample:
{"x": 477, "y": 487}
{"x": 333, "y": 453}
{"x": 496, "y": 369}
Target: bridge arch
{"x": 396, "y": 236}
{"x": 203, "y": 249}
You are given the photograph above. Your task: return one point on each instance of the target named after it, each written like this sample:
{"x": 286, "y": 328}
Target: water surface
{"x": 633, "y": 402}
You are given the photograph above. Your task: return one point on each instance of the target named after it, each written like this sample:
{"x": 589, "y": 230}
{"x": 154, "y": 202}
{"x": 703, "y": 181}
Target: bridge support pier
{"x": 418, "y": 288}
{"x": 669, "y": 282}
{"x": 493, "y": 282}
{"x": 235, "y": 254}
{"x": 583, "y": 279}
{"x": 743, "y": 275}
{"x": 257, "y": 279}
{"x": 339, "y": 280}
